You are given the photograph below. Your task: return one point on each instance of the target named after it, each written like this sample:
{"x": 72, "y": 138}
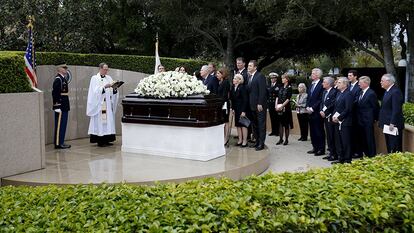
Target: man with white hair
{"x": 343, "y": 119}
{"x": 209, "y": 80}
{"x": 391, "y": 116}
{"x": 367, "y": 112}
{"x": 314, "y": 100}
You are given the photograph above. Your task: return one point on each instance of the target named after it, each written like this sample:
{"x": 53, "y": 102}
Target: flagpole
{"x": 30, "y": 57}
{"x": 157, "y": 57}
{"x": 30, "y": 27}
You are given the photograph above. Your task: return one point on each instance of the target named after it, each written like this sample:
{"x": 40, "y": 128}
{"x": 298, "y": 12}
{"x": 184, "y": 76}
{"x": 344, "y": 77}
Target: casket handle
{"x": 149, "y": 112}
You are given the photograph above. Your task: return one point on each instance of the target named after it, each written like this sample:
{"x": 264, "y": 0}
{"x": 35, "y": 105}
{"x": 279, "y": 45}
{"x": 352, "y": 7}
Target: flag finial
{"x": 31, "y": 20}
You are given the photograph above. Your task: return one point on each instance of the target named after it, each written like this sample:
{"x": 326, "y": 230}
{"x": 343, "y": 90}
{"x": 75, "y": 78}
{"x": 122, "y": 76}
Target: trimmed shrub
{"x": 12, "y": 75}
{"x": 369, "y": 195}
{"x": 144, "y": 64}
{"x": 408, "y": 111}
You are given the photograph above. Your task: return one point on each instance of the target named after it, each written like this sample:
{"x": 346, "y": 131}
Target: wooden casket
{"x": 190, "y": 128}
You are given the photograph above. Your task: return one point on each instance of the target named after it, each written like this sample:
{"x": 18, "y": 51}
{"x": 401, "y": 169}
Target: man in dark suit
{"x": 317, "y": 132}
{"x": 356, "y": 137}
{"x": 61, "y": 106}
{"x": 273, "y": 91}
{"x": 391, "y": 113}
{"x": 343, "y": 119}
{"x": 241, "y": 69}
{"x": 326, "y": 112}
{"x": 258, "y": 103}
{"x": 367, "y": 113}
{"x": 209, "y": 80}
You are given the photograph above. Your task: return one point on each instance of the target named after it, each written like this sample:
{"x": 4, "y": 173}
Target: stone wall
{"x": 78, "y": 122}
{"x": 22, "y": 139}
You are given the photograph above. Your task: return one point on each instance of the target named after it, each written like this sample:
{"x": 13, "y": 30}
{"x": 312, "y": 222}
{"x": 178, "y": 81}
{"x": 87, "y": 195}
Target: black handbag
{"x": 244, "y": 121}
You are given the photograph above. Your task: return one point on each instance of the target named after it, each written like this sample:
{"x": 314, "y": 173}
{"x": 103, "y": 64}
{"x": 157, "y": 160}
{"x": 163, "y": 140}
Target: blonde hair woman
{"x": 239, "y": 105}
{"x": 301, "y": 112}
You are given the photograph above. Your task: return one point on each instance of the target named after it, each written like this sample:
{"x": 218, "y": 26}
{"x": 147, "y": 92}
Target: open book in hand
{"x": 117, "y": 84}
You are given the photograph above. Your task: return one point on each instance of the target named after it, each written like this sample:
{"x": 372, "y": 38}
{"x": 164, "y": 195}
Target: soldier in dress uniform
{"x": 60, "y": 94}
{"x": 273, "y": 91}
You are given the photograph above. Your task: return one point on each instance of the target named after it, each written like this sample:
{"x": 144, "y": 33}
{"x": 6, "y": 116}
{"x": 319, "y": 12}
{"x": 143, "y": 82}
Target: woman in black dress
{"x": 284, "y": 110}
{"x": 224, "y": 92}
{"x": 239, "y": 104}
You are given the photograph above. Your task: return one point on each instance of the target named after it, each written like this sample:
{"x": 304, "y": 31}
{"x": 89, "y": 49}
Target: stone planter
{"x": 22, "y": 134}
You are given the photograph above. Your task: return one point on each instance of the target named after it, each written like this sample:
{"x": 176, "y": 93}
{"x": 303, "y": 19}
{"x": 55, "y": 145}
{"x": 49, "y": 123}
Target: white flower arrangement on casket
{"x": 170, "y": 84}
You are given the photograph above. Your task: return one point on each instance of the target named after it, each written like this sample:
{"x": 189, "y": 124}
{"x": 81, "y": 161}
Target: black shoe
{"x": 356, "y": 156}
{"x": 286, "y": 142}
{"x": 336, "y": 162}
{"x": 63, "y": 146}
{"x": 109, "y": 144}
{"x": 238, "y": 144}
{"x": 319, "y": 153}
{"x": 304, "y": 139}
{"x": 261, "y": 147}
{"x": 311, "y": 152}
{"x": 332, "y": 159}
{"x": 300, "y": 139}
{"x": 279, "y": 142}
{"x": 272, "y": 134}
{"x": 326, "y": 157}
{"x": 244, "y": 145}
{"x": 102, "y": 145}
{"x": 253, "y": 146}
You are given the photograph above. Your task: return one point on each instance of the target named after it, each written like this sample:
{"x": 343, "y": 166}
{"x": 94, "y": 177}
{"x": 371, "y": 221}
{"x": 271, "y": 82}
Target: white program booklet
{"x": 388, "y": 131}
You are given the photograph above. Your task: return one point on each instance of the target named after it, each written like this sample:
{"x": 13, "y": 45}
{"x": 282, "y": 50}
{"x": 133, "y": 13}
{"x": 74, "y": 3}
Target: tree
{"x": 364, "y": 25}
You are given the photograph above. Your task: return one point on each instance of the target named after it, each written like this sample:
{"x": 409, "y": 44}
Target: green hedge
{"x": 144, "y": 64}
{"x": 12, "y": 75}
{"x": 370, "y": 195}
{"x": 408, "y": 111}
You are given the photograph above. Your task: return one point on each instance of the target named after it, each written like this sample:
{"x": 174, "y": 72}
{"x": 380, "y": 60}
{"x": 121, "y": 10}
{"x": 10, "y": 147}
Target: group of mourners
{"x": 339, "y": 112}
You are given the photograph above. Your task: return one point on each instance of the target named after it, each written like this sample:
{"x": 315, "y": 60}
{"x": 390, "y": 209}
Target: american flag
{"x": 30, "y": 59}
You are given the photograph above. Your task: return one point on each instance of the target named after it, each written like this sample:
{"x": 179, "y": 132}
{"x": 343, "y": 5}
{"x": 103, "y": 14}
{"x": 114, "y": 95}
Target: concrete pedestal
{"x": 202, "y": 144}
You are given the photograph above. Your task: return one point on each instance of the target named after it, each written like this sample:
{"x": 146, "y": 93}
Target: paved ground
{"x": 292, "y": 157}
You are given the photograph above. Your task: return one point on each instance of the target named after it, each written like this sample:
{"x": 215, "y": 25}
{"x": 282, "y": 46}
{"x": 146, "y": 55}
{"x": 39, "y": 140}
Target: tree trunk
{"x": 410, "y": 63}
{"x": 386, "y": 43}
{"x": 228, "y": 57}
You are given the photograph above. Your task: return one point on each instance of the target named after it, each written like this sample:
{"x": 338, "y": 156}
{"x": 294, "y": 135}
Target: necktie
{"x": 352, "y": 87}
{"x": 250, "y": 79}
{"x": 326, "y": 95}
{"x": 362, "y": 95}
{"x": 385, "y": 94}
{"x": 313, "y": 88}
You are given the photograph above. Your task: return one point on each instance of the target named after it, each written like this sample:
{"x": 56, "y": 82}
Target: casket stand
{"x": 189, "y": 128}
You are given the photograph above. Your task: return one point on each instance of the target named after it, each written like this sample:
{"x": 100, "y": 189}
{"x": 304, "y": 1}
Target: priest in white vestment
{"x": 101, "y": 108}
